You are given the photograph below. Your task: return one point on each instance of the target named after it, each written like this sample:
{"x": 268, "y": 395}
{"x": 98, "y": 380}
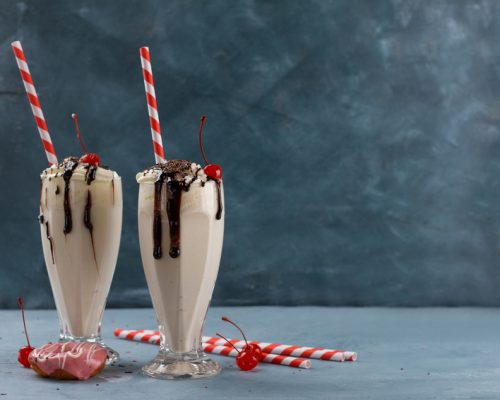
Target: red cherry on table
{"x": 23, "y": 355}
{"x": 251, "y": 348}
{"x": 213, "y": 171}
{"x": 24, "y": 352}
{"x": 254, "y": 349}
{"x": 246, "y": 361}
{"x": 90, "y": 158}
{"x": 251, "y": 354}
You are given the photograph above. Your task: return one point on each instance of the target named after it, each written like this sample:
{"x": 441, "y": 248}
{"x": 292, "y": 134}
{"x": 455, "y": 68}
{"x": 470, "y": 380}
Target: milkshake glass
{"x": 80, "y": 224}
{"x": 181, "y": 229}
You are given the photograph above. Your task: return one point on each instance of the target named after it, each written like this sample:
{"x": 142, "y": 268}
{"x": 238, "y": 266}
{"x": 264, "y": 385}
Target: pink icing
{"x": 80, "y": 359}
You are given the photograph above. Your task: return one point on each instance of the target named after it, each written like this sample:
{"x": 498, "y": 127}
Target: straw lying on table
{"x": 287, "y": 351}
{"x": 36, "y": 108}
{"x": 153, "y": 337}
{"x": 267, "y": 358}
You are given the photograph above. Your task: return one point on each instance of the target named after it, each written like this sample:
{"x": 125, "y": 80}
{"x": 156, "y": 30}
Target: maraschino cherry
{"x": 213, "y": 171}
{"x": 245, "y": 360}
{"x": 87, "y": 158}
{"x": 251, "y": 348}
{"x": 25, "y": 351}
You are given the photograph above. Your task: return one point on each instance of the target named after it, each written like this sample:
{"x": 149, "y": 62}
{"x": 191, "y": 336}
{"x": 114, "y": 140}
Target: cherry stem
{"x": 75, "y": 118}
{"x": 227, "y": 340}
{"x": 21, "y": 306}
{"x": 237, "y": 327}
{"x": 202, "y": 123}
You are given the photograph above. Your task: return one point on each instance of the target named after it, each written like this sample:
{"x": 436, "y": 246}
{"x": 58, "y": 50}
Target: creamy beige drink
{"x": 181, "y": 229}
{"x": 80, "y": 222}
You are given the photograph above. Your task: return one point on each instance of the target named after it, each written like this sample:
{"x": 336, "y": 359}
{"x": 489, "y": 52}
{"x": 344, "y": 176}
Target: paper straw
{"x": 289, "y": 350}
{"x": 36, "y": 108}
{"x": 266, "y": 358}
{"x": 154, "y": 119}
{"x": 153, "y": 337}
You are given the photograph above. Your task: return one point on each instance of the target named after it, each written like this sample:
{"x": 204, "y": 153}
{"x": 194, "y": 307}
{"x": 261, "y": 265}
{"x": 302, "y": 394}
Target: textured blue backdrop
{"x": 360, "y": 139}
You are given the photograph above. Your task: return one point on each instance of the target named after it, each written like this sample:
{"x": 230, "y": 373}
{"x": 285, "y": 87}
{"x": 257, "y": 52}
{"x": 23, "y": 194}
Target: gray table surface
{"x": 429, "y": 353}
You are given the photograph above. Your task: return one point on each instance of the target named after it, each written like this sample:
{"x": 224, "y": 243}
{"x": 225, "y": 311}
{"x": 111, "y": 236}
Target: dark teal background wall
{"x": 360, "y": 140}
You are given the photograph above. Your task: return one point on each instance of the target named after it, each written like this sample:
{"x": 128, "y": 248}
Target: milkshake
{"x": 181, "y": 229}
{"x": 80, "y": 224}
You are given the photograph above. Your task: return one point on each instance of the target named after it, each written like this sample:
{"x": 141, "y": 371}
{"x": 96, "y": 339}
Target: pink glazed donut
{"x": 70, "y": 360}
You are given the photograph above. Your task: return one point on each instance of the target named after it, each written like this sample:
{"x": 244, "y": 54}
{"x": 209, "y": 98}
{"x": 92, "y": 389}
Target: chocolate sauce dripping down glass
{"x": 170, "y": 172}
{"x": 86, "y": 213}
{"x": 49, "y": 238}
{"x": 218, "y": 215}
{"x": 87, "y": 221}
{"x": 174, "y": 195}
{"x": 57, "y": 189}
{"x": 157, "y": 217}
{"x": 69, "y": 167}
{"x": 90, "y": 174}
{"x": 113, "y": 190}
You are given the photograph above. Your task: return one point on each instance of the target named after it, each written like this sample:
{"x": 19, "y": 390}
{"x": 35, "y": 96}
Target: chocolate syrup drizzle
{"x": 90, "y": 174}
{"x": 69, "y": 165}
{"x": 174, "y": 193}
{"x": 49, "y": 238}
{"x": 218, "y": 215}
{"x": 87, "y": 221}
{"x": 173, "y": 173}
{"x": 157, "y": 217}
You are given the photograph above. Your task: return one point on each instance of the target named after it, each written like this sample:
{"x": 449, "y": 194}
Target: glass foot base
{"x": 169, "y": 365}
{"x": 113, "y": 355}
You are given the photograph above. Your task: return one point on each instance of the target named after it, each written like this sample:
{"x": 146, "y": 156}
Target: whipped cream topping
{"x": 182, "y": 171}
{"x": 80, "y": 171}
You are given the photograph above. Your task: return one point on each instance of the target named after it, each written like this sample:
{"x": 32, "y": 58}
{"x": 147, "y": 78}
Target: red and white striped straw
{"x": 289, "y": 350}
{"x": 154, "y": 119}
{"x": 153, "y": 337}
{"x": 266, "y": 357}
{"x": 36, "y": 108}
